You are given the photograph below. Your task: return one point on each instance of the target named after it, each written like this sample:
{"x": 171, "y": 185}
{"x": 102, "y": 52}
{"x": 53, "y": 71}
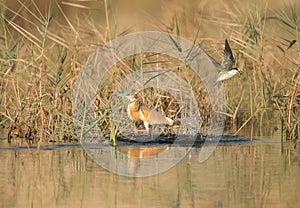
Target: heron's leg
{"x": 146, "y": 126}
{"x": 148, "y": 129}
{"x": 150, "y": 132}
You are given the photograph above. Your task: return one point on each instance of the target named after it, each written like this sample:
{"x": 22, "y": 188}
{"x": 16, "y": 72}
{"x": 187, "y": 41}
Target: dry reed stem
{"x": 37, "y": 84}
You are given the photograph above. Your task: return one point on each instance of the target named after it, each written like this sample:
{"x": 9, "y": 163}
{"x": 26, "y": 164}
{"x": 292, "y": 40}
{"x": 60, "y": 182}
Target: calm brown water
{"x": 263, "y": 174}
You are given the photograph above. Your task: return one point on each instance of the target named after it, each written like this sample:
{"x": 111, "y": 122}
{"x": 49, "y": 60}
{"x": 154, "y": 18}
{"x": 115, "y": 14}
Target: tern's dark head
{"x": 237, "y": 69}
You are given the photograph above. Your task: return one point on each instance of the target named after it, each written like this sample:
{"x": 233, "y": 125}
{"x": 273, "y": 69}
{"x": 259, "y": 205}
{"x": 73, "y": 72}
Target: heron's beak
{"x": 126, "y": 95}
{"x": 121, "y": 95}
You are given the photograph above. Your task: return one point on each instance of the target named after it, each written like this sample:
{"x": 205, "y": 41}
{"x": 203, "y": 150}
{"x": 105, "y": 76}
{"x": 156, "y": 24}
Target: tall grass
{"x": 42, "y": 54}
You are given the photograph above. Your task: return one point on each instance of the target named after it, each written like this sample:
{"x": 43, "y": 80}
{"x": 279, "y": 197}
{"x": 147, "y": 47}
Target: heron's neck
{"x": 135, "y": 105}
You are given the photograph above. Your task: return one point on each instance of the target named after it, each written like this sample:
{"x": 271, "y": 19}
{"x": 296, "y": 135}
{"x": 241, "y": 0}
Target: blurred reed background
{"x": 45, "y": 43}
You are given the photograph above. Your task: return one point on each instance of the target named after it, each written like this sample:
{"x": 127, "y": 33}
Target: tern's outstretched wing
{"x": 228, "y": 59}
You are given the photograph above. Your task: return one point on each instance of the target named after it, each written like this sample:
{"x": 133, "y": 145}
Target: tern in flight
{"x": 227, "y": 67}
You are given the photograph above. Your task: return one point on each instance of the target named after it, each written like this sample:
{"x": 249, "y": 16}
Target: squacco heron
{"x": 139, "y": 112}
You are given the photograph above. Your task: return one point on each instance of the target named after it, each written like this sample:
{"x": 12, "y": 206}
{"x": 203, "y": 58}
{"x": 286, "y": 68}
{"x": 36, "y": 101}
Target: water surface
{"x": 257, "y": 174}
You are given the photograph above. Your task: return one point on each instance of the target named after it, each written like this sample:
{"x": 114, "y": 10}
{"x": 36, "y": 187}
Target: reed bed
{"x": 44, "y": 47}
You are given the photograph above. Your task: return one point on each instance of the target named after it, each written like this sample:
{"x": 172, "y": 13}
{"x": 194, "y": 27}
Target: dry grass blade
{"x": 43, "y": 48}
{"x": 80, "y": 6}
